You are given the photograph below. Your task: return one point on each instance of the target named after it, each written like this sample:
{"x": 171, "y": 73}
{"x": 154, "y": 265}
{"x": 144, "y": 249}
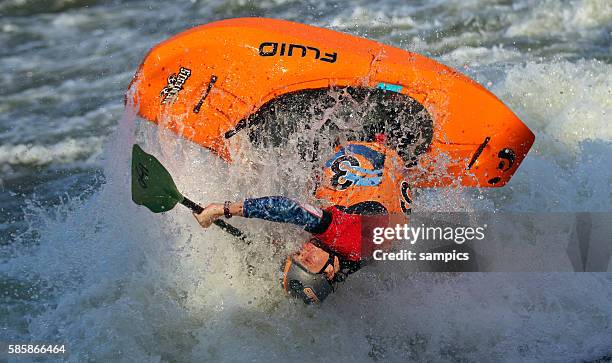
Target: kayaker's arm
{"x": 275, "y": 209}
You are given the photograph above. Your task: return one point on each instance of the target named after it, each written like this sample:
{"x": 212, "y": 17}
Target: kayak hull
{"x": 203, "y": 82}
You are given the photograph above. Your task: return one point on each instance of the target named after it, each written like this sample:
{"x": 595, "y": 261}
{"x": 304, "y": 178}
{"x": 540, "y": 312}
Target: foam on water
{"x": 555, "y": 17}
{"x": 568, "y": 105}
{"x": 158, "y": 287}
{"x": 479, "y": 56}
{"x": 567, "y": 102}
{"x": 66, "y": 151}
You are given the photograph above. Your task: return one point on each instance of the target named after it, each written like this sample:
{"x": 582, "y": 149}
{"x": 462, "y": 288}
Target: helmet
{"x": 311, "y": 287}
{"x": 365, "y": 173}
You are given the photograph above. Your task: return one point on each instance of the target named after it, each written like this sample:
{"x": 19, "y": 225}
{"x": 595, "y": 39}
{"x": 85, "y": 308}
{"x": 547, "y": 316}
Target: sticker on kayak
{"x": 390, "y": 87}
{"x": 176, "y": 81}
{"x": 269, "y": 49}
{"x": 347, "y": 170}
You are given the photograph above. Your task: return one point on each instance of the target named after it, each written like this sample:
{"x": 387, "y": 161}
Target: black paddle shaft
{"x": 219, "y": 223}
{"x": 196, "y": 208}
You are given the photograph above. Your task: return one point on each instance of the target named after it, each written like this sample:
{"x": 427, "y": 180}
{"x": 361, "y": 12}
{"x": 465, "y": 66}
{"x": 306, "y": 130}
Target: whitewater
{"x": 82, "y": 265}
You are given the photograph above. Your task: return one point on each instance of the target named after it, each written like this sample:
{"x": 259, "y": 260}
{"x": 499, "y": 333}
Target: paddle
{"x": 153, "y": 187}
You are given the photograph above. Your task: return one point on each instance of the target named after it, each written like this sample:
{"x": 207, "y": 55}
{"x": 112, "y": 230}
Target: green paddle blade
{"x": 152, "y": 185}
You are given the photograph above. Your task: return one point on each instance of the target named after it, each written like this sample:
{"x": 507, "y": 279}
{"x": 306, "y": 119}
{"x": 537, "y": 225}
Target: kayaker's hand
{"x": 209, "y": 214}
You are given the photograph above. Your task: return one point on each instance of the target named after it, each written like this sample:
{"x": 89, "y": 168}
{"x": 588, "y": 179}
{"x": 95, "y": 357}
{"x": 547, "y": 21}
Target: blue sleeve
{"x": 284, "y": 210}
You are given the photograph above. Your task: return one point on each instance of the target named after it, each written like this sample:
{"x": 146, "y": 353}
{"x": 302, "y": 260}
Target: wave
{"x": 27, "y": 8}
{"x": 67, "y": 151}
{"x": 558, "y": 17}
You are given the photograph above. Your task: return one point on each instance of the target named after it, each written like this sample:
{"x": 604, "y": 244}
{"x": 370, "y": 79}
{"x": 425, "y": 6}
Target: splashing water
{"x": 113, "y": 281}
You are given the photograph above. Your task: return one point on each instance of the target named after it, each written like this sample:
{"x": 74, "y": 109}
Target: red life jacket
{"x": 350, "y": 235}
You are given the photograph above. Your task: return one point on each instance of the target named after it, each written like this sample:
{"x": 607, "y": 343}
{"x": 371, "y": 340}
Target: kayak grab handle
{"x": 478, "y": 152}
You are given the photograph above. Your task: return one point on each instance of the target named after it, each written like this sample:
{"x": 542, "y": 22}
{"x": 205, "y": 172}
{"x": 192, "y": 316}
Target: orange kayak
{"x": 207, "y": 82}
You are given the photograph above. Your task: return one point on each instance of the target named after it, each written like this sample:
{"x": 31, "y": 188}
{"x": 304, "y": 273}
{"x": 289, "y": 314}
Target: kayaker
{"x": 362, "y": 187}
